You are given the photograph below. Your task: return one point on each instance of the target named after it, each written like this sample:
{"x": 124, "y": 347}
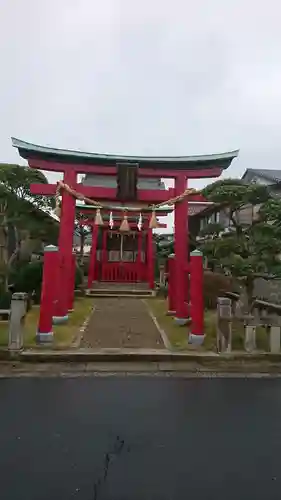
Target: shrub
{"x": 5, "y": 300}
{"x": 214, "y": 285}
{"x": 29, "y": 278}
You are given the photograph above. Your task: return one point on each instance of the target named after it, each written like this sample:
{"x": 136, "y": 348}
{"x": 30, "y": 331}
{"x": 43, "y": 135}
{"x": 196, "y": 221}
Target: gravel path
{"x": 121, "y": 322}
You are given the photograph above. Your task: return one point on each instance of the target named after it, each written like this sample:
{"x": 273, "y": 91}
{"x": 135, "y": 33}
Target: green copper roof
{"x": 28, "y": 150}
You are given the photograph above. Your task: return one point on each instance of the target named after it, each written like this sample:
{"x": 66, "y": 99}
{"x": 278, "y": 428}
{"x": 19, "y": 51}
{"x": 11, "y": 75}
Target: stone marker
{"x": 250, "y": 335}
{"x": 224, "y": 324}
{"x": 238, "y": 309}
{"x": 18, "y": 312}
{"x": 274, "y": 333}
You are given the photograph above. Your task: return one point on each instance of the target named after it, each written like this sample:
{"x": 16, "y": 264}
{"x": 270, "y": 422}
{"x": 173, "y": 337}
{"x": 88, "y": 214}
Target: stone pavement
{"x": 121, "y": 323}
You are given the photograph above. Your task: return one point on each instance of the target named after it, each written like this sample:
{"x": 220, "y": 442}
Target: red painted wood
{"x": 150, "y": 259}
{"x": 65, "y": 247}
{"x": 48, "y": 292}
{"x": 139, "y": 255}
{"x": 71, "y": 286}
{"x": 121, "y": 272}
{"x": 143, "y": 172}
{"x": 102, "y": 193}
{"x": 44, "y": 189}
{"x": 99, "y": 193}
{"x": 97, "y": 270}
{"x": 181, "y": 232}
{"x": 155, "y": 173}
{"x": 104, "y": 249}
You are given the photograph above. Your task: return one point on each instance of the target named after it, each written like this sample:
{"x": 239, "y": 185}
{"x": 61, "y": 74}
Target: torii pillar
{"x": 63, "y": 276}
{"x": 181, "y": 251}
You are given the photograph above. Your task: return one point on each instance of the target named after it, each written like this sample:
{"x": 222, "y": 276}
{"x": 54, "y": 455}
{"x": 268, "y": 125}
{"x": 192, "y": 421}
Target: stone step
{"x": 109, "y": 292}
{"x": 106, "y": 285}
{"x": 116, "y": 296}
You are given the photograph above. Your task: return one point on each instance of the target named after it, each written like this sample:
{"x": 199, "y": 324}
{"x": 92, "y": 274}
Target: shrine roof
{"x": 34, "y": 151}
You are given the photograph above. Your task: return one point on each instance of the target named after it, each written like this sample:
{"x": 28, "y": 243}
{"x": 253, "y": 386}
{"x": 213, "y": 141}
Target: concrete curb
{"x": 77, "y": 341}
{"x": 140, "y": 355}
{"x": 162, "y": 332}
{"x": 115, "y": 296}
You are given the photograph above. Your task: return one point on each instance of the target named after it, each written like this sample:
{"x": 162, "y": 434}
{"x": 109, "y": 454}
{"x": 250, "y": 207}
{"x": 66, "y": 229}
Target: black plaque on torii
{"x": 127, "y": 181}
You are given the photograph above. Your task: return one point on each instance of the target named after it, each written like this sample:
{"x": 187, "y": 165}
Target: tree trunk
{"x": 26, "y": 248}
{"x": 4, "y": 255}
{"x": 247, "y": 300}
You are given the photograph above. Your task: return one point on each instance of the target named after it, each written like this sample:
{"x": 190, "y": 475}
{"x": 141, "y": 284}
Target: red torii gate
{"x": 72, "y": 163}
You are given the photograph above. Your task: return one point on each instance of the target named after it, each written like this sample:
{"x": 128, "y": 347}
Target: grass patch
{"x": 4, "y": 333}
{"x": 63, "y": 334}
{"x": 178, "y": 335}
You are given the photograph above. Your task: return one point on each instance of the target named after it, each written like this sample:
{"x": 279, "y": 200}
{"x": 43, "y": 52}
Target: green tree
{"x": 21, "y": 212}
{"x": 16, "y": 179}
{"x": 248, "y": 250}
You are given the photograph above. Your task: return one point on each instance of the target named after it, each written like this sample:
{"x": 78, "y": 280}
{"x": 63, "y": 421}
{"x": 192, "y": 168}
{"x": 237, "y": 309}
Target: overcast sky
{"x": 143, "y": 77}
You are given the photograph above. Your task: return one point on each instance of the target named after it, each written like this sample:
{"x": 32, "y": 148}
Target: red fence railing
{"x": 122, "y": 272}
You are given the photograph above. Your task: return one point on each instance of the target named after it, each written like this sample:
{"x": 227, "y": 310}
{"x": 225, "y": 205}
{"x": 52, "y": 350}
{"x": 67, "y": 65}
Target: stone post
{"x": 274, "y": 334}
{"x": 18, "y": 312}
{"x": 250, "y": 335}
{"x": 196, "y": 335}
{"x": 224, "y": 325}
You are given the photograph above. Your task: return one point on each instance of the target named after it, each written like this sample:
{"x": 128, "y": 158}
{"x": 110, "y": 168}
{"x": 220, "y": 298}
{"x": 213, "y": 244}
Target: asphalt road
{"x": 144, "y": 438}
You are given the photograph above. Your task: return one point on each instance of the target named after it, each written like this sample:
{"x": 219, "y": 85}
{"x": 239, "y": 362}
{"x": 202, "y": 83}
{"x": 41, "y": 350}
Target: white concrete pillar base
{"x": 250, "y": 338}
{"x": 196, "y": 339}
{"x": 60, "y": 320}
{"x": 274, "y": 339}
{"x": 181, "y": 321}
{"x": 44, "y": 338}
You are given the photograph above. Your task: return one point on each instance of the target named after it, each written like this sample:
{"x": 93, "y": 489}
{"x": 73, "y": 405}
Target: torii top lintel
{"x": 86, "y": 161}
